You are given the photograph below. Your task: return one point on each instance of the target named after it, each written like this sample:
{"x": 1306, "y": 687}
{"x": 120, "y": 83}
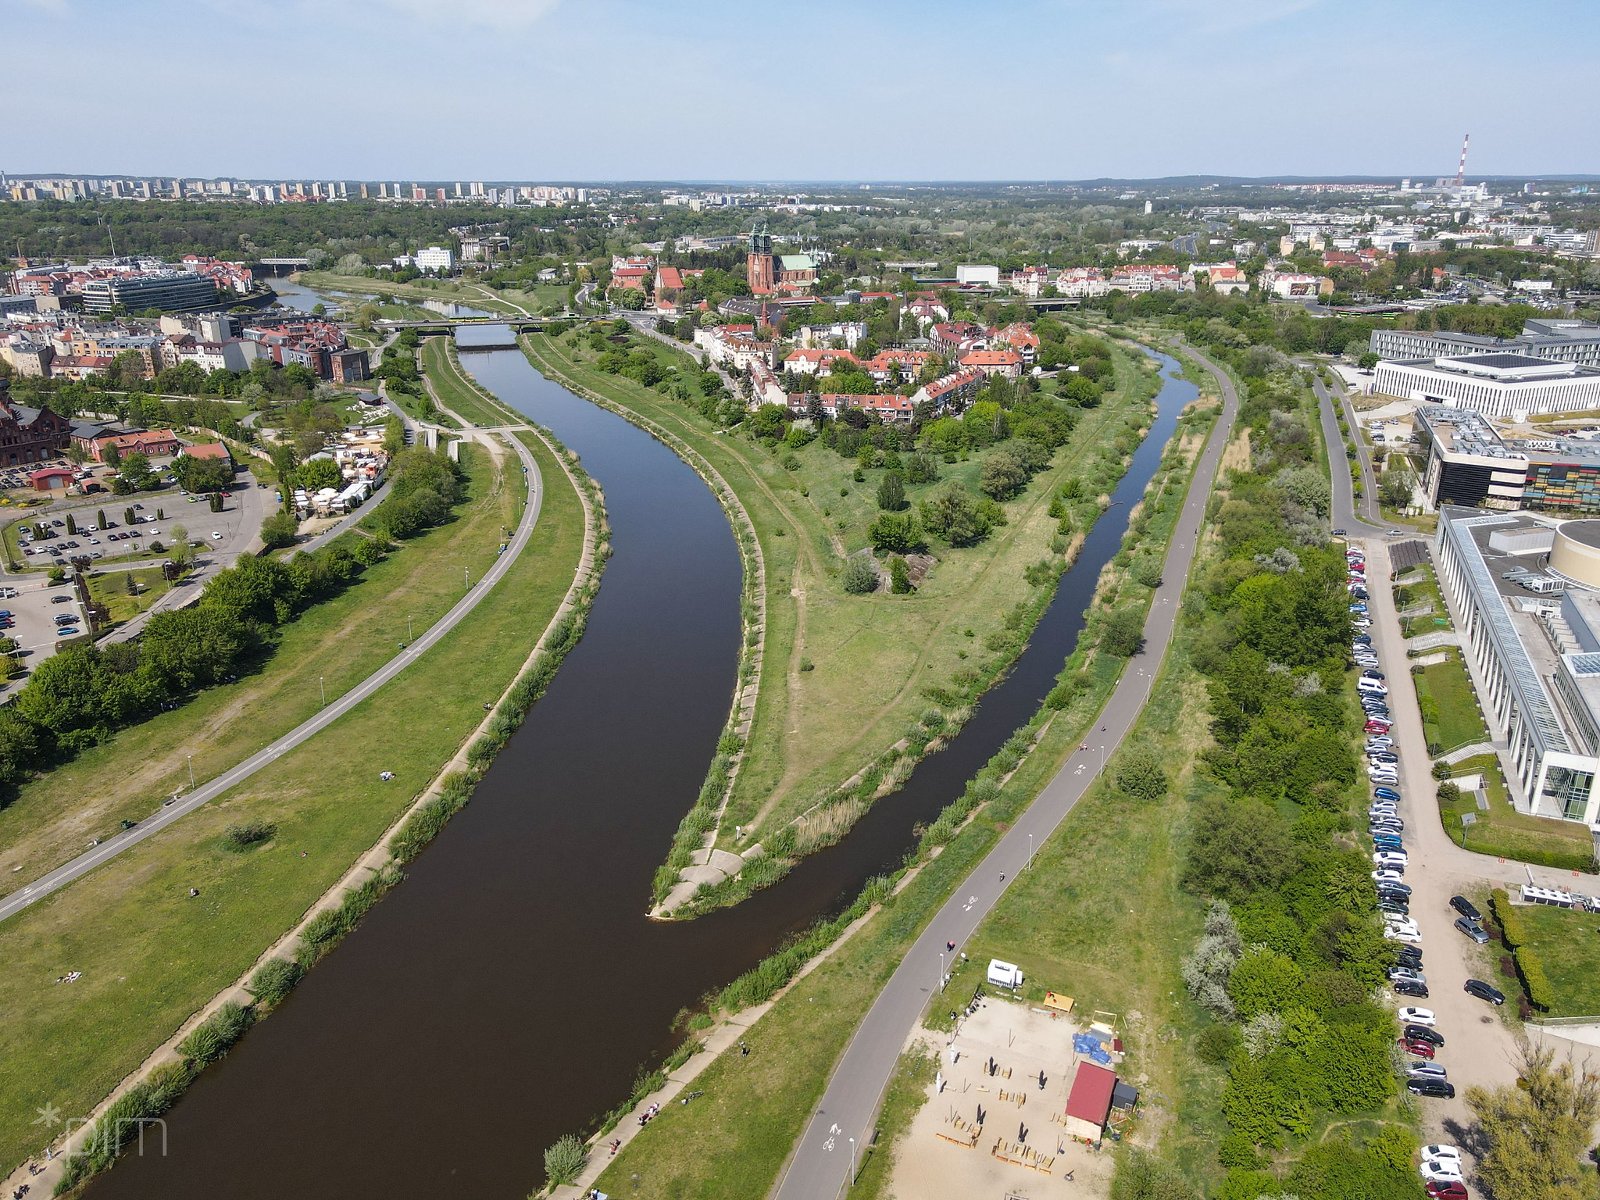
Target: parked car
{"x": 1384, "y": 793}
{"x": 1439, "y": 1089}
{"x": 1419, "y": 1016}
{"x": 1426, "y": 1068}
{"x": 1416, "y": 1030}
{"x": 1484, "y": 991}
{"x": 1417, "y": 1047}
{"x": 1466, "y": 908}
{"x": 1386, "y": 875}
{"x": 1472, "y": 930}
{"x": 1441, "y": 1151}
{"x": 1394, "y": 885}
{"x": 1397, "y": 973}
{"x": 1452, "y": 1189}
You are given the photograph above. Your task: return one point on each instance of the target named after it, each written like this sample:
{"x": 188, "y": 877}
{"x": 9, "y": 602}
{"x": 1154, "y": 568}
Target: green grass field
{"x": 1569, "y": 948}
{"x": 844, "y": 676}
{"x": 733, "y": 1143}
{"x": 1451, "y": 718}
{"x": 1505, "y": 832}
{"x": 447, "y": 290}
{"x": 150, "y": 955}
{"x": 454, "y": 391}
{"x": 333, "y": 645}
{"x": 111, "y": 589}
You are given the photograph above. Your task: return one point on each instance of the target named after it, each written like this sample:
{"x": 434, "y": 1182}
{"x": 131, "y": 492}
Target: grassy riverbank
{"x": 734, "y": 1142}
{"x": 149, "y": 954}
{"x": 845, "y": 677}
{"x": 329, "y": 648}
{"x": 455, "y": 391}
{"x": 447, "y": 291}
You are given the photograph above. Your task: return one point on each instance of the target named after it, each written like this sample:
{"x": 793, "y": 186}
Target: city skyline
{"x": 618, "y": 90}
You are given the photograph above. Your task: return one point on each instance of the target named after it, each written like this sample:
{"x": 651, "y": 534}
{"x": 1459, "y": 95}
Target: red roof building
{"x": 994, "y": 362}
{"x": 1089, "y": 1102}
{"x": 51, "y": 477}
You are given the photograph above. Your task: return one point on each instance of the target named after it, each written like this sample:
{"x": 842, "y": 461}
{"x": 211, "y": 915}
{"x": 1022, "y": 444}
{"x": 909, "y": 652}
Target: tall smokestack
{"x": 1461, "y": 169}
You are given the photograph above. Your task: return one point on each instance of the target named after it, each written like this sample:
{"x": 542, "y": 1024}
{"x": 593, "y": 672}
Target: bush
{"x": 1140, "y": 774}
{"x": 217, "y": 1034}
{"x": 860, "y": 576}
{"x": 240, "y": 838}
{"x": 1534, "y": 981}
{"x": 1512, "y": 930}
{"x": 1449, "y": 792}
{"x": 278, "y": 531}
{"x": 274, "y": 980}
{"x": 1123, "y": 633}
{"x": 564, "y": 1161}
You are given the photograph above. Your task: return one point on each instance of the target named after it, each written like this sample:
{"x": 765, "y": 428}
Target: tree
{"x": 952, "y": 514}
{"x": 1367, "y": 361}
{"x": 72, "y": 524}
{"x": 278, "y": 530}
{"x": 317, "y": 473}
{"x": 182, "y": 552}
{"x": 899, "y": 576}
{"x": 137, "y": 472}
{"x": 1237, "y": 848}
{"x": 1140, "y": 773}
{"x": 860, "y": 575}
{"x": 199, "y": 475}
{"x": 1004, "y": 475}
{"x": 1536, "y": 1131}
{"x": 892, "y": 492}
{"x": 897, "y": 533}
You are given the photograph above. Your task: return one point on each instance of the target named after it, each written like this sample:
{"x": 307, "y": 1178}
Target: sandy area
{"x": 1021, "y": 1120}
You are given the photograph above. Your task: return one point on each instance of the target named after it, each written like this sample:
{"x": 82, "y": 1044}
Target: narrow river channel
{"x": 509, "y": 989}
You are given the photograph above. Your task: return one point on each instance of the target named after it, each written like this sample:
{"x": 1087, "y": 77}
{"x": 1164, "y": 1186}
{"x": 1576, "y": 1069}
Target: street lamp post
{"x": 190, "y": 757}
{"x": 852, "y": 1162}
{"x": 1030, "y": 852}
{"x": 409, "y": 638}
{"x": 322, "y": 683}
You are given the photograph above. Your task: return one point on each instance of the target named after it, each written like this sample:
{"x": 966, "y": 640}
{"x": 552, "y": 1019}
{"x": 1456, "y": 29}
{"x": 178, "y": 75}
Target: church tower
{"x": 759, "y": 271}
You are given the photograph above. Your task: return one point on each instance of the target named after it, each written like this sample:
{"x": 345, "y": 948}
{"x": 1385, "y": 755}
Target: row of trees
{"x": 1292, "y": 951}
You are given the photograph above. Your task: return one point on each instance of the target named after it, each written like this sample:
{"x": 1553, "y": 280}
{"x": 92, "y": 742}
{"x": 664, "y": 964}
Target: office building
{"x": 1560, "y": 339}
{"x": 169, "y": 291}
{"x": 1503, "y": 385}
{"x": 1523, "y": 595}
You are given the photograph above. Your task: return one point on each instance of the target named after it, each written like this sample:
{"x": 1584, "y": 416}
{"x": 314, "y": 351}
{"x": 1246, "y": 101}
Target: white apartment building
{"x": 434, "y": 258}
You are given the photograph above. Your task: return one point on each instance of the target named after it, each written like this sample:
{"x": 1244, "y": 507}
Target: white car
{"x": 1441, "y": 1151}
{"x": 1418, "y": 1067}
{"x": 215, "y": 536}
{"x": 1387, "y": 876}
{"x": 1404, "y": 936}
{"x": 1417, "y": 1016}
{"x": 1446, "y": 1170}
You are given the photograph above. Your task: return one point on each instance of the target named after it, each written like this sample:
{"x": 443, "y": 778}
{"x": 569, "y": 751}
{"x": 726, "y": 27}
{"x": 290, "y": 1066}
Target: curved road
{"x": 176, "y": 809}
{"x": 823, "y": 1158}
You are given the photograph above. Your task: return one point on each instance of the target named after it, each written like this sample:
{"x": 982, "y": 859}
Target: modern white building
{"x": 1531, "y": 639}
{"x": 976, "y": 273}
{"x": 1504, "y": 385}
{"x": 434, "y": 258}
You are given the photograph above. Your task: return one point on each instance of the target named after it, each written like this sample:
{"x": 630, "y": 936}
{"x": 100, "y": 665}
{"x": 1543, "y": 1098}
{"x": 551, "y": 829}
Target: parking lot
{"x": 226, "y": 532}
{"x": 32, "y": 621}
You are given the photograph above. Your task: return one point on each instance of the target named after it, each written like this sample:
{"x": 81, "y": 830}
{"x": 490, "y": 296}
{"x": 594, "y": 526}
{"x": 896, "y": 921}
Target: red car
{"x": 1377, "y": 727}
{"x": 1420, "y": 1048}
{"x": 1454, "y": 1190}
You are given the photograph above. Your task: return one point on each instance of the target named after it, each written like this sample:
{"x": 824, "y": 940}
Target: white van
{"x": 1376, "y": 687}
{"x": 1004, "y": 974}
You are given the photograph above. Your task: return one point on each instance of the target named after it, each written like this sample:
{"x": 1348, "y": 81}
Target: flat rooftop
{"x": 1504, "y": 361}
{"x": 1586, "y": 533}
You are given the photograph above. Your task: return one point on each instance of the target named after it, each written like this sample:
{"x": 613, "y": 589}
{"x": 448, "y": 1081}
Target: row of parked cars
{"x": 1420, "y": 1040}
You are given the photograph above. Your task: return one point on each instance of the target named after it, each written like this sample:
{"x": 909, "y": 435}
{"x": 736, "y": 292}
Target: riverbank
{"x": 123, "y": 924}
{"x": 734, "y": 1141}
{"x": 697, "y": 833}
{"x": 859, "y": 688}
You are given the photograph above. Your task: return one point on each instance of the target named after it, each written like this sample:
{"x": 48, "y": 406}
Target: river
{"x": 509, "y": 989}
{"x": 303, "y": 299}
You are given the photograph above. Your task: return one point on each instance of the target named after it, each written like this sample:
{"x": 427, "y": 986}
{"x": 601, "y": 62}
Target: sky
{"x": 758, "y": 90}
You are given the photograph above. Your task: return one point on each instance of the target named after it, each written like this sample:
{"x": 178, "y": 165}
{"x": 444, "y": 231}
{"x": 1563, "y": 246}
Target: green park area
{"x": 1113, "y": 912}
{"x": 150, "y": 955}
{"x": 1450, "y": 716}
{"x": 1503, "y": 831}
{"x": 846, "y": 675}
{"x": 327, "y": 649}
{"x": 415, "y": 291}
{"x": 455, "y": 390}
{"x": 126, "y": 594}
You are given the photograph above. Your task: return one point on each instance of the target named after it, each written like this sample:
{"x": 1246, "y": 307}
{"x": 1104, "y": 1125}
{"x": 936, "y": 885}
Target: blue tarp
{"x": 1092, "y": 1047}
